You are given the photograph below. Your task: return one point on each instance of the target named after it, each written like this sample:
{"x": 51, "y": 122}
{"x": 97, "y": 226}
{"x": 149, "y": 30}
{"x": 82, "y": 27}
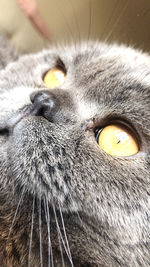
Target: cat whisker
{"x": 117, "y": 21}
{"x": 109, "y": 20}
{"x": 59, "y": 236}
{"x": 50, "y": 252}
{"x": 18, "y": 206}
{"x": 46, "y": 217}
{"x": 40, "y": 231}
{"x": 31, "y": 232}
{"x": 70, "y": 257}
{"x": 77, "y": 212}
{"x": 64, "y": 18}
{"x": 90, "y": 20}
{"x": 75, "y": 19}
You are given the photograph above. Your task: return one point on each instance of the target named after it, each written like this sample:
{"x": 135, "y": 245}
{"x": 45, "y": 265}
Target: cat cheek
{"x": 15, "y": 99}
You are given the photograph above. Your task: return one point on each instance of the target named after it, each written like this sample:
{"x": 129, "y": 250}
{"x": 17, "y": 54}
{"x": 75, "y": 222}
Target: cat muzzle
{"x": 44, "y": 104}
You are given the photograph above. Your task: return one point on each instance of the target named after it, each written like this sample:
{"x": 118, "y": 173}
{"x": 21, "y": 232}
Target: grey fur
{"x": 105, "y": 200}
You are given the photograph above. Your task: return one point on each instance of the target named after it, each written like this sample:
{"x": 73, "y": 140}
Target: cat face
{"x": 50, "y": 152}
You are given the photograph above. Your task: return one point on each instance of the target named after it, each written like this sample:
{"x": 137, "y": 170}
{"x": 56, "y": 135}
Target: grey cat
{"x": 66, "y": 200}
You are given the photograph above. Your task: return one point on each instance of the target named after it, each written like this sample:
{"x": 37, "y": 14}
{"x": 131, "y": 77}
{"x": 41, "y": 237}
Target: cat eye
{"x": 54, "y": 77}
{"x": 117, "y": 140}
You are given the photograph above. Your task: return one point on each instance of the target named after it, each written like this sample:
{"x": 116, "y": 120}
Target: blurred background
{"x": 122, "y": 21}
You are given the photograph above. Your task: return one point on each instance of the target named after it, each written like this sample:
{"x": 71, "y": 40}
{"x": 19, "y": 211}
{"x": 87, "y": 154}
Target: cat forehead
{"x": 96, "y": 52}
{"x": 95, "y": 60}
{"x": 85, "y": 58}
{"x": 96, "y": 72}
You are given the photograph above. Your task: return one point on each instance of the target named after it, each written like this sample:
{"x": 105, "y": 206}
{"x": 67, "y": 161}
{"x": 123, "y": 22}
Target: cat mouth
{"x": 28, "y": 110}
{"x": 43, "y": 104}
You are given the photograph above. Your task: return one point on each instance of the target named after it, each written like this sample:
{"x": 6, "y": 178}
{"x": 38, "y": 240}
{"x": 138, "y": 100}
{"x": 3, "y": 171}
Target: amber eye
{"x": 54, "y": 77}
{"x": 117, "y": 140}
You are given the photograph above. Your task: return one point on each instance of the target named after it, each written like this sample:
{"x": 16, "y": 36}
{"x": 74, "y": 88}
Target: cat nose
{"x": 43, "y": 102}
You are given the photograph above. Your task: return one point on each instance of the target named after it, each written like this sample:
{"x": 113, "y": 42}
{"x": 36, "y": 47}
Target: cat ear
{"x": 7, "y": 52}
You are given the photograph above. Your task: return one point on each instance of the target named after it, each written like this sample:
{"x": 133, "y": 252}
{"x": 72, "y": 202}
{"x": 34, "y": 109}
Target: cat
{"x": 69, "y": 196}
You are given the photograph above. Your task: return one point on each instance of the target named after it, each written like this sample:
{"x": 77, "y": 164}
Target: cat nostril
{"x": 42, "y": 101}
{"x": 43, "y": 98}
{"x": 35, "y": 95}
